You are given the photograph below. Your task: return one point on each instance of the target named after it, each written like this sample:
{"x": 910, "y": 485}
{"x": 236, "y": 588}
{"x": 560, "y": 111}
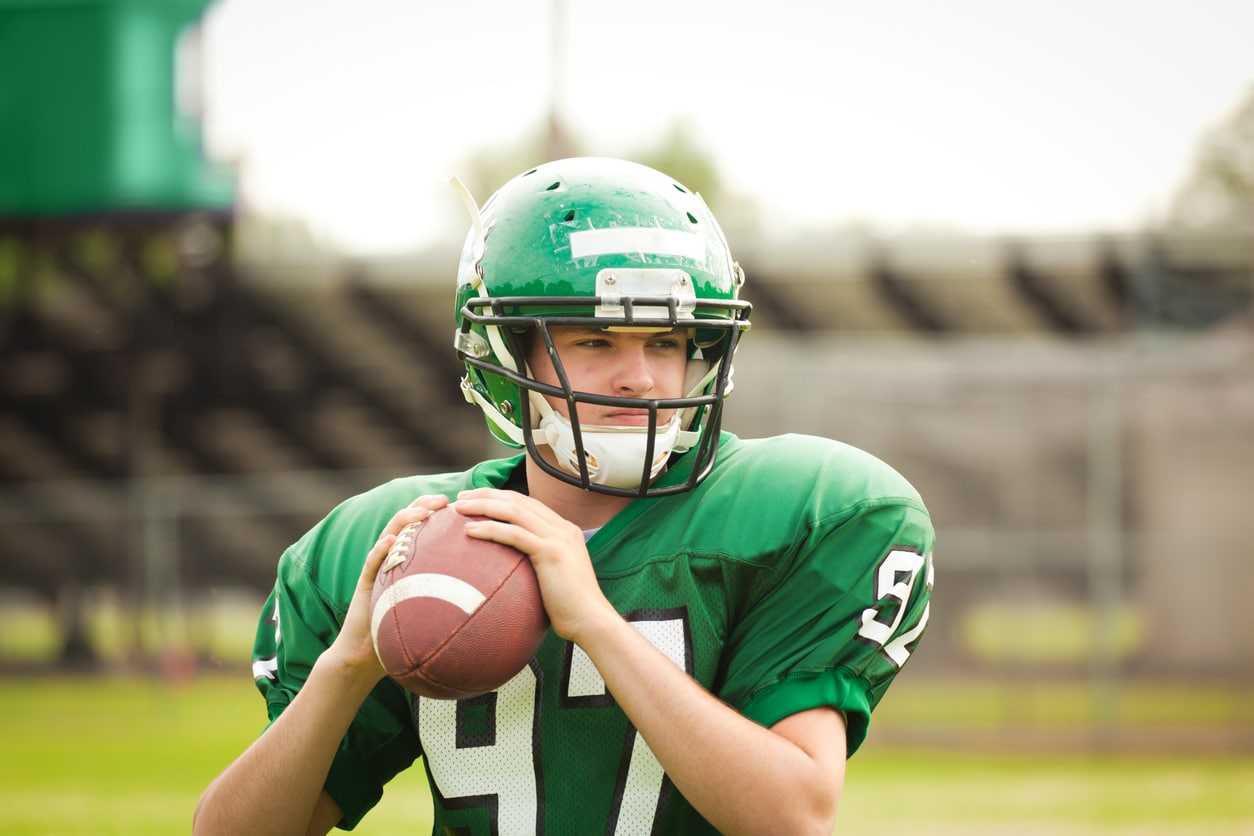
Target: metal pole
{"x": 1105, "y": 536}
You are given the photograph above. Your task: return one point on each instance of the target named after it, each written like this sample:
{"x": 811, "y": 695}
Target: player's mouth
{"x": 632, "y": 418}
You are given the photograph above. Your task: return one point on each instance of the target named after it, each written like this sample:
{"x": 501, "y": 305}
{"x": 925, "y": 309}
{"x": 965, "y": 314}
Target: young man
{"x": 725, "y": 613}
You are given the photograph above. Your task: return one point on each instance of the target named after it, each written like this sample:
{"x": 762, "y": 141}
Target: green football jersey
{"x": 797, "y": 575}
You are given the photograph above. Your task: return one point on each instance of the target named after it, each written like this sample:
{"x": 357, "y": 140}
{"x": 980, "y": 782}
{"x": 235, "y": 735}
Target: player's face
{"x": 624, "y": 363}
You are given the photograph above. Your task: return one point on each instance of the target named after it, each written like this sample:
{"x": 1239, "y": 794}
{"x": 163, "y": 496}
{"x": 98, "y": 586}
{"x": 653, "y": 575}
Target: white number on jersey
{"x": 501, "y": 769}
{"x": 894, "y": 582}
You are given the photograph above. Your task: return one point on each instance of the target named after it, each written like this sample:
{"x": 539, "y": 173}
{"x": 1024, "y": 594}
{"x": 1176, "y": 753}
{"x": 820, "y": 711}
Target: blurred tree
{"x": 679, "y": 154}
{"x": 485, "y": 171}
{"x": 1219, "y": 192}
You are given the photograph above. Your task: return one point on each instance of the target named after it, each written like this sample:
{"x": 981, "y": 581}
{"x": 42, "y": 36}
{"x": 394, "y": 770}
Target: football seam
{"x": 415, "y": 666}
{"x": 486, "y": 598}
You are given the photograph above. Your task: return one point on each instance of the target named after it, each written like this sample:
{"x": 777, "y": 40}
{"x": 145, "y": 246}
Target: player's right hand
{"x": 355, "y": 645}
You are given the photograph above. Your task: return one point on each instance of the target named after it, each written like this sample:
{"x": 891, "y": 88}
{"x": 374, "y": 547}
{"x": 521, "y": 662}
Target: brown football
{"x": 453, "y": 616}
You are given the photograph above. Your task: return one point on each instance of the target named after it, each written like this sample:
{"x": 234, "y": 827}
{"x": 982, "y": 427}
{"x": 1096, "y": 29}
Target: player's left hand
{"x": 568, "y": 584}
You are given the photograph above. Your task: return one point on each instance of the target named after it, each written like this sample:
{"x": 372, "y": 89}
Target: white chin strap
{"x": 614, "y": 454}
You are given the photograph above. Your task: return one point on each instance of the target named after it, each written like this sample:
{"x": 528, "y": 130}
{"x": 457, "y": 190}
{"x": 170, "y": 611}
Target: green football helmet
{"x": 621, "y": 245}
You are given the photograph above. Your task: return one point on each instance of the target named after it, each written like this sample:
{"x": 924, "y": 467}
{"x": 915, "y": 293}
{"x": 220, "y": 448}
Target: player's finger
{"x": 483, "y": 495}
{"x": 539, "y": 537}
{"x": 432, "y": 502}
{"x": 417, "y": 511}
{"x": 507, "y": 506}
{"x": 420, "y": 509}
{"x": 505, "y": 533}
{"x": 374, "y": 558}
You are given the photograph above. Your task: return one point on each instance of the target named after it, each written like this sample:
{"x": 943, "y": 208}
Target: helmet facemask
{"x": 616, "y": 460}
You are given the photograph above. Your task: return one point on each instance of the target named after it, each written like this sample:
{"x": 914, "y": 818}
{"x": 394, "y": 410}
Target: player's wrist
{"x": 598, "y": 627}
{"x": 352, "y": 671}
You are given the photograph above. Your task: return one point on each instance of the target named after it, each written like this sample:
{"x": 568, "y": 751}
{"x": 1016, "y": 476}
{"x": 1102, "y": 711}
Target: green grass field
{"x": 129, "y": 756}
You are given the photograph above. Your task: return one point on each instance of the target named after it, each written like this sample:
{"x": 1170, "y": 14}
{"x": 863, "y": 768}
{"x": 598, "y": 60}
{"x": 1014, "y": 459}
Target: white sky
{"x": 989, "y": 116}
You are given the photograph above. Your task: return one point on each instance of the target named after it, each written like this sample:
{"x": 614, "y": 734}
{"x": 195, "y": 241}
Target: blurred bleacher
{"x": 133, "y": 347}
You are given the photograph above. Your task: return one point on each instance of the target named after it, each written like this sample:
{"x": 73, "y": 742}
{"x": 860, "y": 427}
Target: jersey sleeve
{"x": 315, "y": 582}
{"x": 300, "y": 620}
{"x": 840, "y": 618}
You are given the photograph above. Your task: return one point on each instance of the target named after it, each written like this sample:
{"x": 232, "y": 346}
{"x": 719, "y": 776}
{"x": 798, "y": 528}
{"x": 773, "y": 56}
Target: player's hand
{"x": 568, "y": 584}
{"x": 354, "y": 645}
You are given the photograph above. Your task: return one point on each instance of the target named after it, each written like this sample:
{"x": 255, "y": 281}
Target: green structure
{"x": 89, "y": 115}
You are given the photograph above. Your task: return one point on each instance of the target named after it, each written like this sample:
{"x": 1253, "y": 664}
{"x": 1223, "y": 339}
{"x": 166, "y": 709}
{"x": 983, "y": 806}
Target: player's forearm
{"x": 743, "y": 777}
{"x": 275, "y": 784}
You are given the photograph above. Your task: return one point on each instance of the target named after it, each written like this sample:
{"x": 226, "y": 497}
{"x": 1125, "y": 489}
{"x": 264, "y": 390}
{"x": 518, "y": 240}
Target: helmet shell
{"x": 541, "y": 231}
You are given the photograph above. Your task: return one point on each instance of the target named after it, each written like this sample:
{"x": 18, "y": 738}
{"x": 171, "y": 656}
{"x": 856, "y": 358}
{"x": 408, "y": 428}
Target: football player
{"x": 726, "y": 613}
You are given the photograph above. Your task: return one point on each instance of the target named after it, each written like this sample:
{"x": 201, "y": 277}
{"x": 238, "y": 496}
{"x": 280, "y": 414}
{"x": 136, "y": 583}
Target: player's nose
{"x": 633, "y": 374}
